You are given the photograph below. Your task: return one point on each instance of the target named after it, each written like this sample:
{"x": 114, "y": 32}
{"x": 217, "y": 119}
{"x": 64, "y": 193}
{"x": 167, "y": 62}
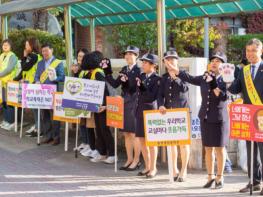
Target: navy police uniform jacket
{"x": 128, "y": 88}
{"x": 213, "y": 108}
{"x": 128, "y": 93}
{"x": 172, "y": 93}
{"x": 147, "y": 94}
{"x": 146, "y": 99}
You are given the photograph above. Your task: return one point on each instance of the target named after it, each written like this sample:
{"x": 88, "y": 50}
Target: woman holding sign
{"x": 147, "y": 92}
{"x": 213, "y": 116}
{"x": 173, "y": 94}
{"x": 104, "y": 142}
{"x": 84, "y": 148}
{"x": 8, "y": 69}
{"x": 127, "y": 81}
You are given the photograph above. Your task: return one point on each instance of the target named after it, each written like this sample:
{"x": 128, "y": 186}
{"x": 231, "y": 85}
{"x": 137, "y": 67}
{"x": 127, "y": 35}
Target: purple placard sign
{"x": 83, "y": 94}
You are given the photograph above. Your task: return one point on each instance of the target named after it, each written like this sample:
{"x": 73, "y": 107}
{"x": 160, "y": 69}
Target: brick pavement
{"x": 46, "y": 171}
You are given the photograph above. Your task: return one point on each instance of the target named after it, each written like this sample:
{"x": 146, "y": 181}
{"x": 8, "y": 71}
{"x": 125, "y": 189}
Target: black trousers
{"x": 92, "y": 138}
{"x": 105, "y": 141}
{"x": 51, "y": 128}
{"x": 257, "y": 163}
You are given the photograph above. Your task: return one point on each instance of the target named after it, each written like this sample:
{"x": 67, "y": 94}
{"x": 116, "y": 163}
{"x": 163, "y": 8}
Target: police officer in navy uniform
{"x": 173, "y": 93}
{"x": 213, "y": 116}
{"x": 147, "y": 92}
{"x": 127, "y": 80}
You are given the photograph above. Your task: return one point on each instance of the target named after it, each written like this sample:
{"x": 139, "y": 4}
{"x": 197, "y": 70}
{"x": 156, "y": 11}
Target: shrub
{"x": 187, "y": 36}
{"x": 236, "y": 45}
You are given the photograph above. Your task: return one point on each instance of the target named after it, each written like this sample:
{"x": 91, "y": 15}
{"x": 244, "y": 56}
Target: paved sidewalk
{"x": 46, "y": 171}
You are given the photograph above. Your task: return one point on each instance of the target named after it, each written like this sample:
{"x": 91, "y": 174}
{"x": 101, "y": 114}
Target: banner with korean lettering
{"x": 77, "y": 113}
{"x": 13, "y": 93}
{"x": 196, "y": 128}
{"x": 246, "y": 122}
{"x": 169, "y": 129}
{"x": 83, "y": 94}
{"x": 59, "y": 112}
{"x": 115, "y": 112}
{"x": 38, "y": 96}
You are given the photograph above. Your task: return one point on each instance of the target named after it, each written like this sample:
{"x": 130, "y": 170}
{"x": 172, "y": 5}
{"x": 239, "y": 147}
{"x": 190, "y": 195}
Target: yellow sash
{"x": 83, "y": 73}
{"x": 94, "y": 72}
{"x": 251, "y": 90}
{"x": 44, "y": 75}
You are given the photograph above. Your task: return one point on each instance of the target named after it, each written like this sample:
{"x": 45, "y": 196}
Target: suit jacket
{"x": 239, "y": 86}
{"x": 173, "y": 93}
{"x": 213, "y": 108}
{"x": 59, "y": 71}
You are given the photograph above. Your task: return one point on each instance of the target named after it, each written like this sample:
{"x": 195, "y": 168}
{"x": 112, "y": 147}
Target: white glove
{"x": 227, "y": 70}
{"x": 52, "y": 74}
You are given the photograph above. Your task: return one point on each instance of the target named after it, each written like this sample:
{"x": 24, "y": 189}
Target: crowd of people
{"x": 142, "y": 89}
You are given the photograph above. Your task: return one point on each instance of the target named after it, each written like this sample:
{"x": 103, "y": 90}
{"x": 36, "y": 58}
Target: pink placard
{"x": 38, "y": 96}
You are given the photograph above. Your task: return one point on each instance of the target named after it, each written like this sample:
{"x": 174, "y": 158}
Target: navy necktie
{"x": 253, "y": 71}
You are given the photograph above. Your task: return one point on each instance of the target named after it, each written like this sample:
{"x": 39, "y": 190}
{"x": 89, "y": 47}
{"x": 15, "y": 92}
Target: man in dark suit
{"x": 255, "y": 69}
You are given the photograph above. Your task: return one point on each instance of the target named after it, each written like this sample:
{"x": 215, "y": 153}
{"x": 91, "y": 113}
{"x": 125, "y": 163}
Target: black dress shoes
{"x": 125, "y": 167}
{"x": 219, "y": 185}
{"x": 181, "y": 179}
{"x": 247, "y": 188}
{"x": 137, "y": 167}
{"x": 209, "y": 183}
{"x": 55, "y": 142}
{"x": 176, "y": 178}
{"x": 47, "y": 141}
{"x": 150, "y": 176}
{"x": 143, "y": 173}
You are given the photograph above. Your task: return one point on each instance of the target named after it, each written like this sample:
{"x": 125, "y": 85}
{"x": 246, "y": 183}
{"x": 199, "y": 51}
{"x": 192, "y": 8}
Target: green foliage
{"x": 236, "y": 45}
{"x": 140, "y": 35}
{"x": 18, "y": 38}
{"x": 187, "y": 36}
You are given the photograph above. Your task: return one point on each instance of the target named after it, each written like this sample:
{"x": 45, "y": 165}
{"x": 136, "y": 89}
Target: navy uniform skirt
{"x": 129, "y": 117}
{"x": 139, "y": 121}
{"x": 139, "y": 125}
{"x": 214, "y": 134}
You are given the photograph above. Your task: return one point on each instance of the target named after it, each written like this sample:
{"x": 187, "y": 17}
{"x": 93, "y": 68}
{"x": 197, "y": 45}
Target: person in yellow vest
{"x": 76, "y": 67}
{"x": 29, "y": 62}
{"x": 249, "y": 83}
{"x": 8, "y": 68}
{"x": 50, "y": 70}
{"x": 87, "y": 146}
{"x": 104, "y": 141}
